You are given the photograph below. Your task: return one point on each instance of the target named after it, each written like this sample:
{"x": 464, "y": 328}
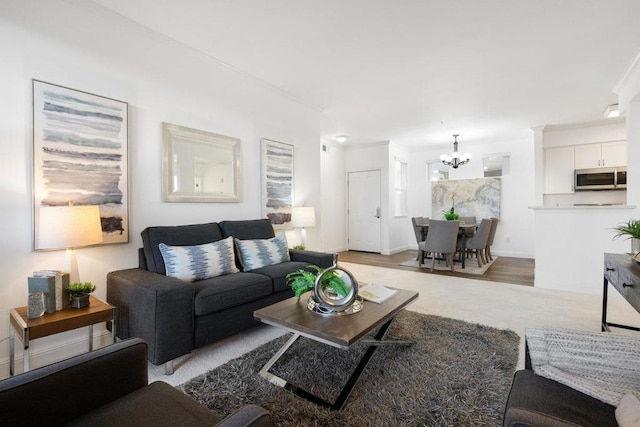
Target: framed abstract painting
{"x": 80, "y": 143}
{"x": 277, "y": 177}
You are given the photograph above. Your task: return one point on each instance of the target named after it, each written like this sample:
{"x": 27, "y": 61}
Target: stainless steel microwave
{"x": 601, "y": 179}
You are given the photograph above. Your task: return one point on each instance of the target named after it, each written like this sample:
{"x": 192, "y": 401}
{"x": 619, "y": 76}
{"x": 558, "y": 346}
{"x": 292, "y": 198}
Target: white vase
{"x": 635, "y": 245}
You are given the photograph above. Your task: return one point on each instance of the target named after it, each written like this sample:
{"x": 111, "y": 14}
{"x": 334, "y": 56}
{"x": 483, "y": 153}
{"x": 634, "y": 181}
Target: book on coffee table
{"x": 376, "y": 293}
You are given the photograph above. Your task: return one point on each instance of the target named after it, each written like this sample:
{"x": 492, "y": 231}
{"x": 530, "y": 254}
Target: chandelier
{"x": 455, "y": 159}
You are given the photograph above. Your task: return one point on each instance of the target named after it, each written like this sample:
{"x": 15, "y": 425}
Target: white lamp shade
{"x": 304, "y": 216}
{"x": 62, "y": 227}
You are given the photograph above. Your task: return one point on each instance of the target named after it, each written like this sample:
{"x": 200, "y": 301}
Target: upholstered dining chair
{"x": 441, "y": 239}
{"x": 492, "y": 235}
{"x": 418, "y": 232}
{"x": 478, "y": 242}
{"x": 468, "y": 231}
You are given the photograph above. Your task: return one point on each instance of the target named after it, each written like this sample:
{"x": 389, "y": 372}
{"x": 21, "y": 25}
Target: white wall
{"x": 83, "y": 47}
{"x": 333, "y": 198}
{"x": 515, "y": 235}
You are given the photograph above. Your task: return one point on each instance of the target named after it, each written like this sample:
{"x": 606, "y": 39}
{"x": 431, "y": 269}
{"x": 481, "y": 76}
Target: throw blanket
{"x": 601, "y": 364}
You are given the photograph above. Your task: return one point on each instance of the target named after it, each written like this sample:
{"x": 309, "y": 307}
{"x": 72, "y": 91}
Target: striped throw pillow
{"x": 262, "y": 252}
{"x": 191, "y": 263}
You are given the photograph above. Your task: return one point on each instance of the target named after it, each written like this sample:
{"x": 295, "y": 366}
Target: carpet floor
{"x": 456, "y": 374}
{"x": 470, "y": 267}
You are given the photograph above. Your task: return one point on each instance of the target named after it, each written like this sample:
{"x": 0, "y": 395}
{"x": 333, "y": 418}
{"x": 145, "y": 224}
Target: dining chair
{"x": 470, "y": 231}
{"x": 478, "y": 242}
{"x": 441, "y": 239}
{"x": 492, "y": 235}
{"x": 417, "y": 230}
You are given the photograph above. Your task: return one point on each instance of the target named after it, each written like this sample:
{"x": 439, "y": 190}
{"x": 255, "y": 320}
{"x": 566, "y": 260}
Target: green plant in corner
{"x": 631, "y": 229}
{"x": 80, "y": 289}
{"x": 451, "y": 213}
{"x": 302, "y": 281}
{"x": 299, "y": 247}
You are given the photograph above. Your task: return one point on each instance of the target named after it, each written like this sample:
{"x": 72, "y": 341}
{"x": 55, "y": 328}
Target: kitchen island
{"x": 570, "y": 242}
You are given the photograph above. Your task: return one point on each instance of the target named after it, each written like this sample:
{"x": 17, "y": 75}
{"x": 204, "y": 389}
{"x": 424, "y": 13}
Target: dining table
{"x": 463, "y": 231}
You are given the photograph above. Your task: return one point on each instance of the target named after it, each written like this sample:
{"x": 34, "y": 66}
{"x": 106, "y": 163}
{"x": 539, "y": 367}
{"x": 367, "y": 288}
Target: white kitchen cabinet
{"x": 606, "y": 154}
{"x": 558, "y": 170}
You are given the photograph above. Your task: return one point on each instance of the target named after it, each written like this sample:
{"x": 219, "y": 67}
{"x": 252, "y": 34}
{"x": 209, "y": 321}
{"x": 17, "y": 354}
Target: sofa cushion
{"x": 278, "y": 273}
{"x": 157, "y": 404}
{"x": 190, "y": 263}
{"x": 248, "y": 229}
{"x": 538, "y": 401}
{"x": 178, "y": 235}
{"x": 222, "y": 292}
{"x": 262, "y": 252}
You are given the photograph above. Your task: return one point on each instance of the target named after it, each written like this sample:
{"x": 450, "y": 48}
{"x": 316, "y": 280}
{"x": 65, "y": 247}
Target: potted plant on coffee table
{"x": 302, "y": 281}
{"x": 631, "y": 229}
{"x": 79, "y": 293}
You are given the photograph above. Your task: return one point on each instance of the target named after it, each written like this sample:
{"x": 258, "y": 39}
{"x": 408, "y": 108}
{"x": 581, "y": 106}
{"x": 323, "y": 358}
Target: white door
{"x": 364, "y": 211}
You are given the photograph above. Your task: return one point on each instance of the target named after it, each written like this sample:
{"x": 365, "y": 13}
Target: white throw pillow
{"x": 262, "y": 252}
{"x": 628, "y": 410}
{"x": 191, "y": 263}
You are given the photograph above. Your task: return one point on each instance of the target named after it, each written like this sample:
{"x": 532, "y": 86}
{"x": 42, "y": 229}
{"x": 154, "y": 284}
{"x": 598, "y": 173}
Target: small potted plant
{"x": 451, "y": 214}
{"x": 302, "y": 281}
{"x": 632, "y": 231}
{"x": 79, "y": 293}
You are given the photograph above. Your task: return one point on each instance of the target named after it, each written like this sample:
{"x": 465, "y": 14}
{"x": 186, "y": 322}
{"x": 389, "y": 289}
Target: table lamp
{"x": 68, "y": 227}
{"x": 301, "y": 217}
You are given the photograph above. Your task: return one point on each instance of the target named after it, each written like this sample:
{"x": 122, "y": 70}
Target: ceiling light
{"x": 456, "y": 159}
{"x": 341, "y": 139}
{"x": 611, "y": 111}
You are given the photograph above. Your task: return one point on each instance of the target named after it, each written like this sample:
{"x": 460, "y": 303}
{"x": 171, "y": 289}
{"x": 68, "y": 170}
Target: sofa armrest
{"x": 156, "y": 308}
{"x": 58, "y": 393}
{"x": 321, "y": 259}
{"x": 248, "y": 415}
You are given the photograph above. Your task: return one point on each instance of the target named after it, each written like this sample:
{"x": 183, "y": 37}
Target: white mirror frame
{"x": 201, "y": 144}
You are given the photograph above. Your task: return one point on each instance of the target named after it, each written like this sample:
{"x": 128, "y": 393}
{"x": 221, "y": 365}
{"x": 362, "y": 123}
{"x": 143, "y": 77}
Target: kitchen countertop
{"x": 572, "y": 207}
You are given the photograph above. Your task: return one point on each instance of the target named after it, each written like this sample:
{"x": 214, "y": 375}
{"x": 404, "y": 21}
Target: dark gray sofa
{"x": 107, "y": 387}
{"x": 541, "y": 402}
{"x": 174, "y": 316}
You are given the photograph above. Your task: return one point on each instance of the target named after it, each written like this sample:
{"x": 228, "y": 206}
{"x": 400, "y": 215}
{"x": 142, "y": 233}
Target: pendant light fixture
{"x": 456, "y": 159}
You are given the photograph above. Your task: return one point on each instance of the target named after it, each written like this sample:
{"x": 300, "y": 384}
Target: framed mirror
{"x": 200, "y": 166}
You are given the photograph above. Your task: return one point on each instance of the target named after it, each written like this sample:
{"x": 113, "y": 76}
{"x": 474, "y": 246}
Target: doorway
{"x": 364, "y": 211}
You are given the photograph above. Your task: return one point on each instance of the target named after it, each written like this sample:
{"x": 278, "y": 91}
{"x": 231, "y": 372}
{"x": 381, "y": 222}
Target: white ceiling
{"x": 416, "y": 71}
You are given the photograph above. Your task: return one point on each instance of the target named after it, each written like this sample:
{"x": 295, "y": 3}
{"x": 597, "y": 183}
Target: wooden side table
{"x": 623, "y": 273}
{"x": 54, "y": 323}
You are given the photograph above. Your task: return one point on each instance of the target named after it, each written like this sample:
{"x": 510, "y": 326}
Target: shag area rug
{"x": 470, "y": 265}
{"x": 456, "y": 374}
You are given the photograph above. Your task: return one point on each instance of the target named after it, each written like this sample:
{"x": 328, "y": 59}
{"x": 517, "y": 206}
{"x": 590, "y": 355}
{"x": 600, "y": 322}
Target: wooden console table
{"x": 54, "y": 323}
{"x": 623, "y": 273}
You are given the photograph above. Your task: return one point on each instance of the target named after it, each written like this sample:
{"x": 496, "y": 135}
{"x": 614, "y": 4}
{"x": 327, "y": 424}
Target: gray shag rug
{"x": 456, "y": 374}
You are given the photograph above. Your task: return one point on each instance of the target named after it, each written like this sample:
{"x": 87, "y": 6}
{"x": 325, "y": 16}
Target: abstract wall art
{"x": 478, "y": 197}
{"x": 80, "y": 155}
{"x": 277, "y": 176}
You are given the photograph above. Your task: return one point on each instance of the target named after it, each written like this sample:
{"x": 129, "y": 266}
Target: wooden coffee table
{"x": 338, "y": 331}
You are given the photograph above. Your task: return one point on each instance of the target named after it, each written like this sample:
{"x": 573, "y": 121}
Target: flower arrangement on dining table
{"x": 451, "y": 214}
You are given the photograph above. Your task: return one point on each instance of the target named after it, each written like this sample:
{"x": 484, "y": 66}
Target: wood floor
{"x": 518, "y": 271}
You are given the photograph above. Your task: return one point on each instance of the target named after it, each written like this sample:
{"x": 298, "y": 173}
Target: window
{"x": 436, "y": 171}
{"x": 400, "y": 187}
{"x": 495, "y": 165}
